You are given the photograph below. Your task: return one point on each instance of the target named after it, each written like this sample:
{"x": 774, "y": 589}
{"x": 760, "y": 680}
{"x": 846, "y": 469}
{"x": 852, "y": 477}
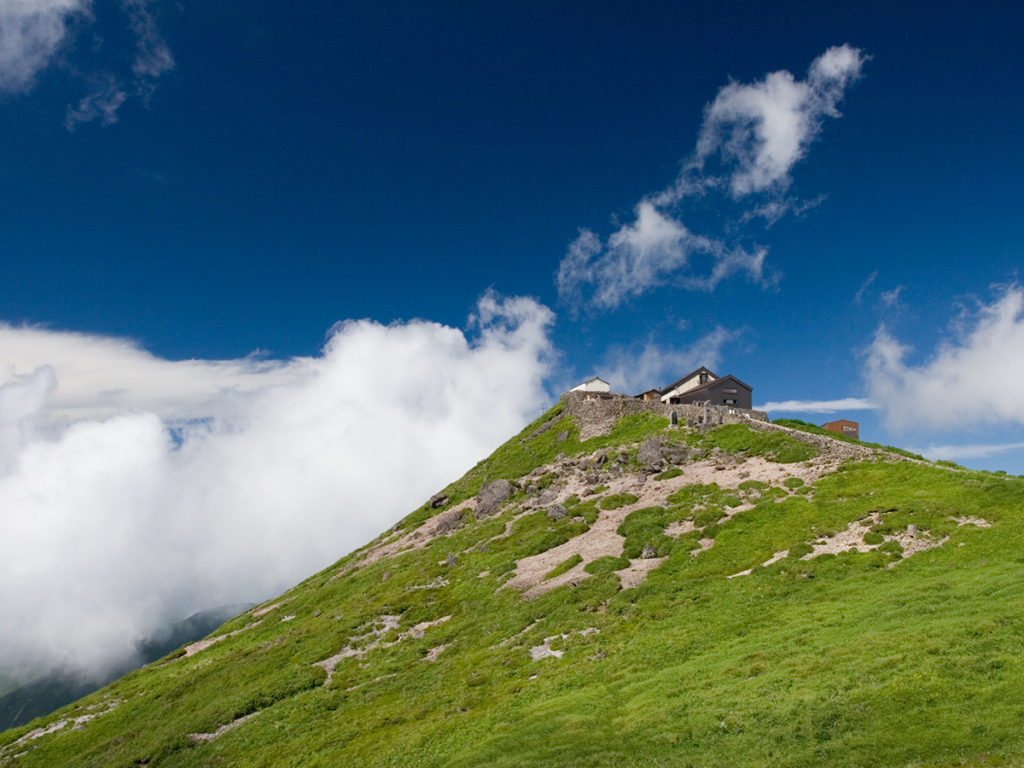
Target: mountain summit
{"x": 609, "y": 590}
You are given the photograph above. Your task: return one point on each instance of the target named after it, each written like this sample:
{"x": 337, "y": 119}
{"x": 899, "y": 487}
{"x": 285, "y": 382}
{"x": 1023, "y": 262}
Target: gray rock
{"x": 649, "y": 454}
{"x": 562, "y": 436}
{"x": 491, "y": 496}
{"x": 622, "y": 458}
{"x": 557, "y": 512}
{"x": 648, "y": 552}
{"x": 912, "y": 530}
{"x": 449, "y": 521}
{"x": 452, "y": 561}
{"x": 438, "y": 500}
{"x": 675, "y": 454}
{"x": 599, "y": 460}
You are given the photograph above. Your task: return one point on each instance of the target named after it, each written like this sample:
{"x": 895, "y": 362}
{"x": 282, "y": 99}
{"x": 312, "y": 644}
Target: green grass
{"x": 774, "y": 446}
{"x": 814, "y": 429}
{"x": 566, "y": 565}
{"x": 838, "y": 660}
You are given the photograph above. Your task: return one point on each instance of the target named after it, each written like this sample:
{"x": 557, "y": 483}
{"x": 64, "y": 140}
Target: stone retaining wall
{"x": 597, "y": 412}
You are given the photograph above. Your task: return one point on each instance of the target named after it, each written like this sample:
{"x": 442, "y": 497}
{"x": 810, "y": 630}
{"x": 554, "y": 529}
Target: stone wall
{"x": 597, "y": 412}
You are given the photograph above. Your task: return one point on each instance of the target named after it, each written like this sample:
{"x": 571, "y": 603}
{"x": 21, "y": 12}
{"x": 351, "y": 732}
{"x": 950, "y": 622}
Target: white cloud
{"x": 653, "y": 365}
{"x": 820, "y": 406}
{"x": 34, "y": 32}
{"x": 111, "y": 528}
{"x": 967, "y": 451}
{"x": 758, "y": 132}
{"x": 858, "y": 297}
{"x": 31, "y": 33}
{"x": 891, "y": 299}
{"x": 761, "y": 130}
{"x": 971, "y": 380}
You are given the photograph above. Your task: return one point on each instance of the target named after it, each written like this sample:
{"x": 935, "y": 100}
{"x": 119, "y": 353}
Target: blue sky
{"x": 460, "y": 210}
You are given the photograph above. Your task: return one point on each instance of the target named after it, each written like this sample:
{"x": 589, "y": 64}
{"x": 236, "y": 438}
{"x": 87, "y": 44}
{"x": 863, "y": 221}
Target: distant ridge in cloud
{"x": 752, "y": 136}
{"x": 111, "y": 527}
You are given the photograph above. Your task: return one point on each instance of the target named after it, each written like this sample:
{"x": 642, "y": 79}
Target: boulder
{"x": 649, "y": 454}
{"x": 648, "y": 552}
{"x": 449, "y": 521}
{"x": 562, "y": 436}
{"x": 438, "y": 500}
{"x": 491, "y": 496}
{"x": 557, "y": 512}
{"x": 452, "y": 561}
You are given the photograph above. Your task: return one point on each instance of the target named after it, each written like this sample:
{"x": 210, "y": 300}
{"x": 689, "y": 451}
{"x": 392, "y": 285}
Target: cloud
{"x": 858, "y": 297}
{"x": 761, "y": 130}
{"x": 820, "y": 406}
{"x": 112, "y": 527}
{"x": 633, "y": 370}
{"x": 970, "y": 380}
{"x": 31, "y": 33}
{"x": 891, "y": 299}
{"x": 968, "y": 451}
{"x": 756, "y": 132}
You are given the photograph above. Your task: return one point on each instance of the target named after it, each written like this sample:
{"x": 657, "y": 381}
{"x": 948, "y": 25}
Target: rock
{"x": 912, "y": 530}
{"x": 316, "y": 613}
{"x": 648, "y": 552}
{"x": 649, "y": 454}
{"x": 483, "y": 548}
{"x": 562, "y": 436}
{"x": 452, "y": 561}
{"x": 676, "y": 454}
{"x": 599, "y": 460}
{"x": 438, "y": 500}
{"x": 557, "y": 512}
{"x": 491, "y": 496}
{"x": 449, "y": 522}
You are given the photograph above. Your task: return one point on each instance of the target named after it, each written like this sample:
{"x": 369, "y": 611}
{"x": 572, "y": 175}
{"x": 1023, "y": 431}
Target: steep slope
{"x": 748, "y": 594}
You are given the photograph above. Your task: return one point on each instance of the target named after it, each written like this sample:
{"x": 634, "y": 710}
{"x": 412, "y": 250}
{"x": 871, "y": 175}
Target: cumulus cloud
{"x": 761, "y": 130}
{"x": 972, "y": 379}
{"x": 31, "y": 33}
{"x": 114, "y": 525}
{"x": 820, "y": 406}
{"x": 751, "y": 137}
{"x": 654, "y": 365}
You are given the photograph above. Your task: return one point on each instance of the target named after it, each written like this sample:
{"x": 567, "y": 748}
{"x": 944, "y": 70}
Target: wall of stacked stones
{"x": 596, "y": 413}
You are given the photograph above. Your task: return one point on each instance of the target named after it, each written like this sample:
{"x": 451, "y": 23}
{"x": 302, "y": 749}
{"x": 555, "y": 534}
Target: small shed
{"x": 844, "y": 427}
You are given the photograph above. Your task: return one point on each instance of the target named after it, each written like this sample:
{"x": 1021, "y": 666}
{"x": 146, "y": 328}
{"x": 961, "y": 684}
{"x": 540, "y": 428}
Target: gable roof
{"x": 716, "y": 382}
{"x": 690, "y": 375}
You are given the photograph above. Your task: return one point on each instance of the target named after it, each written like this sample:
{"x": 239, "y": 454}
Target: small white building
{"x": 593, "y": 385}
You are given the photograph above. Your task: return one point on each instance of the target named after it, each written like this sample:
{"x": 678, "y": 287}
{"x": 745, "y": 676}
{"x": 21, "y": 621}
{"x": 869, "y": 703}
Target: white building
{"x": 690, "y": 381}
{"x": 593, "y": 385}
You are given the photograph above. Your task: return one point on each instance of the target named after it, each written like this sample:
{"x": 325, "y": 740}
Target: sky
{"x": 272, "y": 274}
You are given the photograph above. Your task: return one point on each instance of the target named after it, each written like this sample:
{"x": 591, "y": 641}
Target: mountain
{"x": 606, "y": 591}
{"x": 20, "y": 703}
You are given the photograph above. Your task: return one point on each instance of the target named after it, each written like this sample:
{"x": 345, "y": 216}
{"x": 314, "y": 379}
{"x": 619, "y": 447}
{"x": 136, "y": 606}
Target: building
{"x": 690, "y": 381}
{"x": 727, "y": 390}
{"x": 844, "y": 427}
{"x": 593, "y": 385}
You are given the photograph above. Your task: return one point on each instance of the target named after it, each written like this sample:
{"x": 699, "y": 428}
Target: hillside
{"x": 743, "y": 595}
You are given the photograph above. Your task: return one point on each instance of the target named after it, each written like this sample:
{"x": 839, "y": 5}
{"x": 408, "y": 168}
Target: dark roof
{"x": 649, "y": 391}
{"x": 690, "y": 375}
{"x": 715, "y": 383}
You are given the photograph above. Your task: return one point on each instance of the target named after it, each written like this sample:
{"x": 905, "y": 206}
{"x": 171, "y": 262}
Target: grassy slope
{"x": 836, "y": 661}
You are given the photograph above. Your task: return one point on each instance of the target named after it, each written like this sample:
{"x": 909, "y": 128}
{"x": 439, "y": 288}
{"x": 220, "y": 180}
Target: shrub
{"x": 873, "y": 537}
{"x": 799, "y": 550}
{"x": 793, "y": 482}
{"x": 669, "y": 473}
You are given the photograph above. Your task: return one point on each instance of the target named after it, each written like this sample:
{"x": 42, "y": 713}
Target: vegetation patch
{"x": 617, "y": 500}
{"x": 741, "y": 440}
{"x": 566, "y": 565}
{"x": 668, "y": 474}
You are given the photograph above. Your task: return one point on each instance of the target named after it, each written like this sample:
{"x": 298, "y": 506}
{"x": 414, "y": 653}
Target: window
{"x": 730, "y": 391}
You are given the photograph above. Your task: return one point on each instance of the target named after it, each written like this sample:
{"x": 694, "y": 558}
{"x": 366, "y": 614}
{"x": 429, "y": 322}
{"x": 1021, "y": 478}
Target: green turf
{"x": 858, "y": 659}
